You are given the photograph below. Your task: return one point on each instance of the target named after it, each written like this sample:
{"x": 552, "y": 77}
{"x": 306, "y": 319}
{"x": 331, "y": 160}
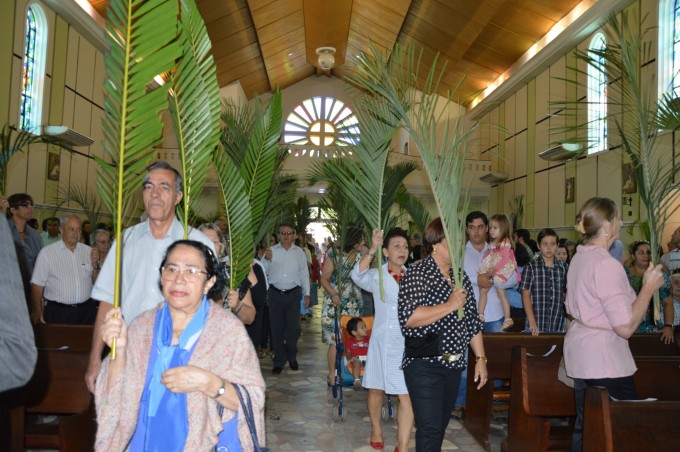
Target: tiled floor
{"x": 300, "y": 418}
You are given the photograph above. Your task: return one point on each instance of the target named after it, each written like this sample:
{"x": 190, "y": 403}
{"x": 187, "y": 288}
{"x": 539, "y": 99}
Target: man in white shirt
{"x": 62, "y": 278}
{"x": 144, "y": 247}
{"x": 288, "y": 275}
{"x": 671, "y": 260}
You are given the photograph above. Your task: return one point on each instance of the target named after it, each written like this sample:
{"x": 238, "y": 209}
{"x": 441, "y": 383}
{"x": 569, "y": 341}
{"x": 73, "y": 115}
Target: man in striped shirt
{"x": 62, "y": 279}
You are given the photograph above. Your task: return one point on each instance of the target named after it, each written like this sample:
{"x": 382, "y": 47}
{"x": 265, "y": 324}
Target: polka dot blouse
{"x": 424, "y": 285}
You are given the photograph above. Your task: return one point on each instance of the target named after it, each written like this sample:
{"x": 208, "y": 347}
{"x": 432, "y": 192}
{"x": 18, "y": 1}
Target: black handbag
{"x": 428, "y": 346}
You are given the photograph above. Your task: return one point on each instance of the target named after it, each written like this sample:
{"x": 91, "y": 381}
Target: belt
{"x": 283, "y": 291}
{"x": 450, "y": 358}
{"x": 67, "y": 305}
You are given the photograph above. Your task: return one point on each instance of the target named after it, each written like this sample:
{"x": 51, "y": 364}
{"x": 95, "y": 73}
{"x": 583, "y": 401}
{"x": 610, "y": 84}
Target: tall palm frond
{"x": 280, "y": 204}
{"x": 246, "y": 177}
{"x": 364, "y": 178}
{"x": 9, "y": 146}
{"x": 85, "y": 198}
{"x": 640, "y": 120}
{"x": 141, "y": 35}
{"x": 414, "y": 208}
{"x": 516, "y": 205}
{"x": 194, "y": 106}
{"x": 434, "y": 123}
{"x": 239, "y": 220}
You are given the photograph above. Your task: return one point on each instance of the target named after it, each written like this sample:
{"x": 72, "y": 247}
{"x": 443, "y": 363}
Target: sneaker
{"x": 507, "y": 324}
{"x": 457, "y": 413}
{"x": 357, "y": 383}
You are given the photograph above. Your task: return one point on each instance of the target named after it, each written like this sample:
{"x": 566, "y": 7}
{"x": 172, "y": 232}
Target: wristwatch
{"x": 220, "y": 391}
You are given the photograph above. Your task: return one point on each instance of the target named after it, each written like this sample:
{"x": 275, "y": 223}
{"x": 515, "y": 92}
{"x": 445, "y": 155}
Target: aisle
{"x": 299, "y": 417}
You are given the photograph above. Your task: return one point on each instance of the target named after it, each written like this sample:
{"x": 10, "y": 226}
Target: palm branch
{"x": 85, "y": 198}
{"x": 415, "y": 209}
{"x": 238, "y": 216}
{"x": 246, "y": 177}
{"x": 280, "y": 204}
{"x": 141, "y": 46}
{"x": 11, "y": 145}
{"x": 640, "y": 121}
{"x": 442, "y": 141}
{"x": 302, "y": 215}
{"x": 194, "y": 106}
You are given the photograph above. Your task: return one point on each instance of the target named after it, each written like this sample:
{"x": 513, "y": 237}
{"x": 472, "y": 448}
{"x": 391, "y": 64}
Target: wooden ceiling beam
{"x": 327, "y": 25}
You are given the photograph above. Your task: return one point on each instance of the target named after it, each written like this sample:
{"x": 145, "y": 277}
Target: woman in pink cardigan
{"x": 604, "y": 309}
{"x": 172, "y": 384}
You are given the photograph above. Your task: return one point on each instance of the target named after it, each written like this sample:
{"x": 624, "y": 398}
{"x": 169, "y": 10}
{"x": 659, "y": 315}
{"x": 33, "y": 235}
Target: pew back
{"x": 628, "y": 426}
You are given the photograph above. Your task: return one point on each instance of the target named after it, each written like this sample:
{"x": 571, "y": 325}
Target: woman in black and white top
{"x": 436, "y": 339}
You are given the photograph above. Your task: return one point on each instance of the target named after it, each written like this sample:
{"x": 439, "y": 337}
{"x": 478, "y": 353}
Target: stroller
{"x": 343, "y": 372}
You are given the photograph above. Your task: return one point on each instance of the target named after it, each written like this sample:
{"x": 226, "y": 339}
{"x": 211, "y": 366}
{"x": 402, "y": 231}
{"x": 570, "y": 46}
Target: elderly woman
{"x": 604, "y": 308}
{"x": 436, "y": 338}
{"x": 641, "y": 256}
{"x": 383, "y": 372}
{"x": 172, "y": 384}
{"x": 243, "y": 306}
{"x": 336, "y": 281}
{"x": 101, "y": 244}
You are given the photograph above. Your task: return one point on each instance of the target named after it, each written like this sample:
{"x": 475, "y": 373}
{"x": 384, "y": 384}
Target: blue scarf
{"x": 162, "y": 423}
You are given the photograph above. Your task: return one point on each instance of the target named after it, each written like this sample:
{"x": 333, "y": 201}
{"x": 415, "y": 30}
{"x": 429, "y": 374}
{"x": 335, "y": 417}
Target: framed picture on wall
{"x": 569, "y": 189}
{"x": 628, "y": 181}
{"x": 53, "y": 166}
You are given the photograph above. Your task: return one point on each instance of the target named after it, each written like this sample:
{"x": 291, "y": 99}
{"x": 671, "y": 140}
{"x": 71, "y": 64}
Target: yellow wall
{"x": 73, "y": 97}
{"x": 529, "y": 128}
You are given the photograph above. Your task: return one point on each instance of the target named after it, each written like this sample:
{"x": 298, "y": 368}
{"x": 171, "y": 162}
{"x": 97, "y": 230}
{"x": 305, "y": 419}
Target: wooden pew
{"x": 537, "y": 396}
{"x": 56, "y": 388}
{"x": 628, "y": 426}
{"x": 498, "y": 349}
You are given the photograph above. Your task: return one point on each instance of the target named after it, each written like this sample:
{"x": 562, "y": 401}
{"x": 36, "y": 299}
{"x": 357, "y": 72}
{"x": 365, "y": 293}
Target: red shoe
{"x": 377, "y": 445}
{"x": 396, "y": 449}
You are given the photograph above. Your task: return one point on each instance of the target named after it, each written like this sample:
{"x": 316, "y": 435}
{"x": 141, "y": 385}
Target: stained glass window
{"x": 668, "y": 59}
{"x": 319, "y": 123}
{"x": 33, "y": 70}
{"x": 675, "y": 69}
{"x": 597, "y": 96}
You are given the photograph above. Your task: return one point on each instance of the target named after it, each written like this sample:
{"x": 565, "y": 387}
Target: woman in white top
{"x": 382, "y": 373}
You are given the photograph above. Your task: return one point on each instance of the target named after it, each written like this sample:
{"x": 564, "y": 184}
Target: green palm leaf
{"x": 194, "y": 106}
{"x": 141, "y": 46}
{"x": 280, "y": 202}
{"x": 85, "y": 198}
{"x": 237, "y": 213}
{"x": 441, "y": 140}
{"x": 414, "y": 208}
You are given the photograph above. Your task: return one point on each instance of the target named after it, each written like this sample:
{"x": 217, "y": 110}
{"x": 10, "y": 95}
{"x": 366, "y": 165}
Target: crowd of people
{"x": 175, "y": 374}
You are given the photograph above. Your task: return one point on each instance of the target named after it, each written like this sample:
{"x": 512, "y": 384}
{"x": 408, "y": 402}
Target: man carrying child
{"x": 544, "y": 286}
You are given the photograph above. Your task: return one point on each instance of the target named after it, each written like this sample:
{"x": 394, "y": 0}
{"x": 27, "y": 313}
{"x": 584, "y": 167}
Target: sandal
{"x": 507, "y": 324}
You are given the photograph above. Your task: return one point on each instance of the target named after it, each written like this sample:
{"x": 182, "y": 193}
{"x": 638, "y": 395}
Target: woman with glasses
{"x": 641, "y": 256}
{"x": 172, "y": 384}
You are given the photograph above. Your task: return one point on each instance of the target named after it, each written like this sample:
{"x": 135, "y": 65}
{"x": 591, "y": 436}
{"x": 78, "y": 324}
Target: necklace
{"x": 397, "y": 277}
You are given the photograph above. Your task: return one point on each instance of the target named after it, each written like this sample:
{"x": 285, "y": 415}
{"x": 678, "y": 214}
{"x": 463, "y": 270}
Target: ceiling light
{"x": 326, "y": 57}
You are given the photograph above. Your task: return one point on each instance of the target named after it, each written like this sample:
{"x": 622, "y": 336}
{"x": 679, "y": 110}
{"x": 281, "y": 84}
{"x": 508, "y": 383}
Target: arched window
{"x": 668, "y": 64}
{"x": 597, "y": 96}
{"x": 319, "y": 123}
{"x": 33, "y": 70}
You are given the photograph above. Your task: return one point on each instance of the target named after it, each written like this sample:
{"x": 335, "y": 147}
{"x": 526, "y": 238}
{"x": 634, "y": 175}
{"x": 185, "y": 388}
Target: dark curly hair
{"x": 212, "y": 266}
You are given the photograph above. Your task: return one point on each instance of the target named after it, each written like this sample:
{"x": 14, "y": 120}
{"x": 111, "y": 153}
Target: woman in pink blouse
{"x": 604, "y": 308}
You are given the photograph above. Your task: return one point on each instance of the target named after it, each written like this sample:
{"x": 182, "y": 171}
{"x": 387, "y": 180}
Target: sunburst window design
{"x": 321, "y": 122}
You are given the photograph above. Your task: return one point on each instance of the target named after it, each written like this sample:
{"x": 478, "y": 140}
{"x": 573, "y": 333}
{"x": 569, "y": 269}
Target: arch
{"x": 33, "y": 69}
{"x": 597, "y": 95}
{"x": 321, "y": 122}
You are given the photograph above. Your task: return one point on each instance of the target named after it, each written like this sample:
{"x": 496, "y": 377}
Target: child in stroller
{"x": 357, "y": 347}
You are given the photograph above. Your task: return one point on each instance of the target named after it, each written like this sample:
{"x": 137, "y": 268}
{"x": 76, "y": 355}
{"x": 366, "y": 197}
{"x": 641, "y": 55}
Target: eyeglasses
{"x": 172, "y": 272}
{"x": 286, "y": 233}
{"x": 25, "y": 204}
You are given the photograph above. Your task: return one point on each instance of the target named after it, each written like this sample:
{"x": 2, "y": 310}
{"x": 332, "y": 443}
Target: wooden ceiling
{"x": 267, "y": 44}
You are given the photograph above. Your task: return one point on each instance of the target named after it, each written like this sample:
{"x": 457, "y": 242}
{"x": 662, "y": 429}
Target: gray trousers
{"x": 284, "y": 318}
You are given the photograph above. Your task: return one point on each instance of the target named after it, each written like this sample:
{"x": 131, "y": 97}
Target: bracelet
{"x": 240, "y": 306}
{"x": 667, "y": 325}
{"x": 220, "y": 391}
{"x": 481, "y": 358}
